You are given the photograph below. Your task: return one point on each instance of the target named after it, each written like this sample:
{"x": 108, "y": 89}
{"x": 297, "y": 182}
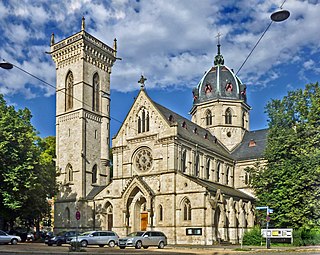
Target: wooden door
{"x": 110, "y": 221}
{"x": 144, "y": 221}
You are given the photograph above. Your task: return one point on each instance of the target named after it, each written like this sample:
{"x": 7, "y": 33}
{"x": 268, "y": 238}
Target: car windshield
{"x": 139, "y": 233}
{"x": 86, "y": 233}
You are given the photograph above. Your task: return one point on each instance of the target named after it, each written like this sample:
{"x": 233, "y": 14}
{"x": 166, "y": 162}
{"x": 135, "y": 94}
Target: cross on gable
{"x": 142, "y": 80}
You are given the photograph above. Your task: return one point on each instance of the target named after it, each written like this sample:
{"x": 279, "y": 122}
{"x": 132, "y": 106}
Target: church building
{"x": 184, "y": 177}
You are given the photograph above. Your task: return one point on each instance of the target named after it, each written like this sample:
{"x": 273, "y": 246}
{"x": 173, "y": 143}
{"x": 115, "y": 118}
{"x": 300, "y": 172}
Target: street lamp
{"x": 6, "y": 65}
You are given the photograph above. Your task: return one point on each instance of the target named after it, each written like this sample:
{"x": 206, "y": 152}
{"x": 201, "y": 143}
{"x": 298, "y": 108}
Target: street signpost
{"x": 78, "y": 216}
{"x": 269, "y": 211}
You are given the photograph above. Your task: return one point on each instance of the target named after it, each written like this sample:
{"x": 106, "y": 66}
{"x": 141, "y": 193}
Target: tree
{"x": 290, "y": 182}
{"x": 25, "y": 172}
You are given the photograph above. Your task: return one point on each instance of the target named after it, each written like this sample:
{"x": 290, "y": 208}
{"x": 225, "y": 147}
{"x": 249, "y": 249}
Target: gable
{"x": 143, "y": 119}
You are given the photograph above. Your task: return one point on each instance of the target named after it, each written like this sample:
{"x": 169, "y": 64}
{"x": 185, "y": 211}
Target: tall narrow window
{"x": 218, "y": 172}
{"x": 95, "y": 92}
{"x": 187, "y": 210}
{"x": 196, "y": 166}
{"x": 227, "y": 175}
{"x": 228, "y": 116}
{"x": 184, "y": 161}
{"x": 208, "y": 169}
{"x": 160, "y": 211}
{"x": 94, "y": 174}
{"x": 69, "y": 91}
{"x": 208, "y": 118}
{"x": 143, "y": 120}
{"x": 243, "y": 119}
{"x": 69, "y": 173}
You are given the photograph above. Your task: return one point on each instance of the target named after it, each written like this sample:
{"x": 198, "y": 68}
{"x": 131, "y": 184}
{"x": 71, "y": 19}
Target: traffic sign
{"x": 77, "y": 215}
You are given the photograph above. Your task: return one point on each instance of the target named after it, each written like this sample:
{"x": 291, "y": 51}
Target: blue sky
{"x": 171, "y": 42}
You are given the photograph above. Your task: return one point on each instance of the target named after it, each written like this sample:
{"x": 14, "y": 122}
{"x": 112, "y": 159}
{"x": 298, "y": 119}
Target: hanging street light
{"x": 6, "y": 65}
{"x": 279, "y": 16}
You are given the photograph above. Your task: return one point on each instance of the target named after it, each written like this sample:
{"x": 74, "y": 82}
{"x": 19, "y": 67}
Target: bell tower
{"x": 83, "y": 68}
{"x": 220, "y": 104}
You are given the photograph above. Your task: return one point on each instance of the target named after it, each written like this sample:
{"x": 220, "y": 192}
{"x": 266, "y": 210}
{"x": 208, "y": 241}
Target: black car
{"x": 61, "y": 238}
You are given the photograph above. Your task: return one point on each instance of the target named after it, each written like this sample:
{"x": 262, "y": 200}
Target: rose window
{"x": 143, "y": 159}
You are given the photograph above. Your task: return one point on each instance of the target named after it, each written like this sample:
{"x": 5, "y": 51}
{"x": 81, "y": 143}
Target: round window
{"x": 143, "y": 159}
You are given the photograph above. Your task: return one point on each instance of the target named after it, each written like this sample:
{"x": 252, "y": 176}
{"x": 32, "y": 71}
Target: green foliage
{"x": 290, "y": 183}
{"x": 252, "y": 237}
{"x": 305, "y": 236}
{"x": 26, "y": 170}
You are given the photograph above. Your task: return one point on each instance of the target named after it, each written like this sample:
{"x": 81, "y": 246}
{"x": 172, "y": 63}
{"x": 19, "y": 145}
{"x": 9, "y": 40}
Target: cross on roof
{"x": 218, "y": 36}
{"x": 142, "y": 80}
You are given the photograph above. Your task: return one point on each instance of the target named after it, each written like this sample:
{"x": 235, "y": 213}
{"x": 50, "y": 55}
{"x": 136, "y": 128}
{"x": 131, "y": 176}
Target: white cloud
{"x": 171, "y": 42}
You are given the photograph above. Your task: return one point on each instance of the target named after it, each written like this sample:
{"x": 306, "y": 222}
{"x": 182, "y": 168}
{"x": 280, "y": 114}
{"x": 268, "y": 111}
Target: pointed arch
{"x": 184, "y": 161}
{"x": 95, "y": 92}
{"x": 208, "y": 166}
{"x": 208, "y": 116}
{"x": 66, "y": 216}
{"x": 186, "y": 208}
{"x": 69, "y": 91}
{"x": 160, "y": 213}
{"x": 95, "y": 174}
{"x": 143, "y": 120}
{"x": 69, "y": 173}
{"x": 228, "y": 116}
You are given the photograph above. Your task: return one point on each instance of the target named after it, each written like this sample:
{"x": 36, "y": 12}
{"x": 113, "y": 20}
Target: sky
{"x": 171, "y": 42}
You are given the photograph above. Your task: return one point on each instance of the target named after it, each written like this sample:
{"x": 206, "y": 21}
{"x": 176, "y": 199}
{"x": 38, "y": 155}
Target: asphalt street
{"x": 40, "y": 248}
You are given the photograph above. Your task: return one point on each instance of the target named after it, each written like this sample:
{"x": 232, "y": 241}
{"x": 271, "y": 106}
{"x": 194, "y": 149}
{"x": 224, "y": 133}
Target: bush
{"x": 252, "y": 237}
{"x": 305, "y": 236}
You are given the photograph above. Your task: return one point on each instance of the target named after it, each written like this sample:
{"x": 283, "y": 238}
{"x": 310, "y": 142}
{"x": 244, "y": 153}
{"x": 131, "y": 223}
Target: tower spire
{"x": 218, "y": 59}
{"x": 83, "y": 24}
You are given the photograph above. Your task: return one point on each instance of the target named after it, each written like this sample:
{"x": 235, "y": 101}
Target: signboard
{"x": 277, "y": 233}
{"x": 77, "y": 215}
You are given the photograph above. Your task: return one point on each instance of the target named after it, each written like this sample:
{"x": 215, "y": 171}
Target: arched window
{"x": 143, "y": 120}
{"x": 69, "y": 91}
{"x": 94, "y": 174}
{"x": 208, "y": 118}
{"x": 196, "y": 166}
{"x": 227, "y": 175}
{"x": 208, "y": 169}
{"x": 187, "y": 210}
{"x": 95, "y": 92}
{"x": 228, "y": 116}
{"x": 69, "y": 173}
{"x": 184, "y": 161}
{"x": 66, "y": 216}
{"x": 218, "y": 172}
{"x": 243, "y": 119}
{"x": 160, "y": 212}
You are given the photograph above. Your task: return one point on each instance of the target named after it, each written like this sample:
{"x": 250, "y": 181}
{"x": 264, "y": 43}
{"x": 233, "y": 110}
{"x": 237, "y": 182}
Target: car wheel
{"x": 14, "y": 241}
{"x": 145, "y": 247}
{"x": 101, "y": 245}
{"x": 122, "y": 247}
{"x": 59, "y": 243}
{"x": 112, "y": 244}
{"x": 161, "y": 245}
{"x": 138, "y": 245}
{"x": 84, "y": 243}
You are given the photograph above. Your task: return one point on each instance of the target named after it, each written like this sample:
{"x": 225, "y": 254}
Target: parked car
{"x": 6, "y": 238}
{"x": 144, "y": 239}
{"x": 30, "y": 236}
{"x": 19, "y": 232}
{"x": 100, "y": 238}
{"x": 61, "y": 238}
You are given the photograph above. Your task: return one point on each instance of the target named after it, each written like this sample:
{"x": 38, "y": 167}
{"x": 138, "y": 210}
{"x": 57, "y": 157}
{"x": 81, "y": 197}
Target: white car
{"x": 100, "y": 238}
{"x": 6, "y": 238}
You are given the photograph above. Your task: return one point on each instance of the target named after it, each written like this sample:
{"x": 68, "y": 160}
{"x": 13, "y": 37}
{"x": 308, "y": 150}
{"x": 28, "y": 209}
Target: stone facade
{"x": 185, "y": 178}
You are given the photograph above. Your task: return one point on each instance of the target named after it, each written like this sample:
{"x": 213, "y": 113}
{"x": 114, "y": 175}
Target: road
{"x": 40, "y": 248}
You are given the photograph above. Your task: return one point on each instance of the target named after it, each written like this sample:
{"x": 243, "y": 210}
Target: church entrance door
{"x": 144, "y": 221}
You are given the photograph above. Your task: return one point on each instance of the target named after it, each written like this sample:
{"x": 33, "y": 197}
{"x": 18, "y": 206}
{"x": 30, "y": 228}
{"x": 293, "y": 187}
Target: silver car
{"x": 100, "y": 238}
{"x": 5, "y": 238}
{"x": 144, "y": 239}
